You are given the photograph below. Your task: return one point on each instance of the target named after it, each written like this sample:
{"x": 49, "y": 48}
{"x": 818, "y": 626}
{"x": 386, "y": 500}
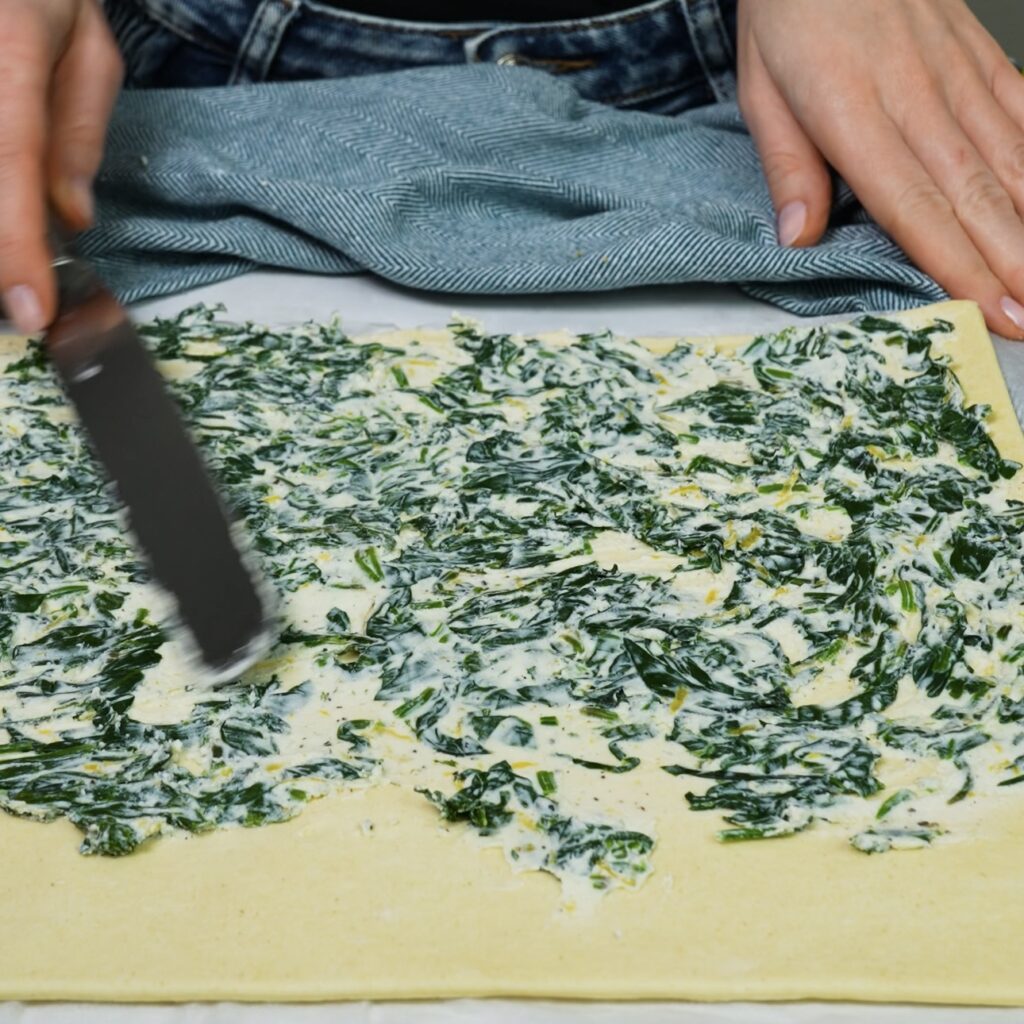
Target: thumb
{"x": 795, "y": 171}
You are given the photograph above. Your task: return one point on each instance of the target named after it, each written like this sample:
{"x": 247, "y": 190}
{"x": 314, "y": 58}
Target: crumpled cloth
{"x": 474, "y": 179}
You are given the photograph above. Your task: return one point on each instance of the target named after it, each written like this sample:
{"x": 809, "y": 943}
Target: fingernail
{"x": 24, "y": 310}
{"x": 1014, "y": 311}
{"x": 792, "y": 220}
{"x": 75, "y": 198}
{"x": 80, "y": 192}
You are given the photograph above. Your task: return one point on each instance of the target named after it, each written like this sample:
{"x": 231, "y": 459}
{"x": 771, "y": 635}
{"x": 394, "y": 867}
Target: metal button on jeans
{"x": 510, "y": 60}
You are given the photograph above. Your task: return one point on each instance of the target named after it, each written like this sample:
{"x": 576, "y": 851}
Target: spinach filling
{"x": 829, "y": 529}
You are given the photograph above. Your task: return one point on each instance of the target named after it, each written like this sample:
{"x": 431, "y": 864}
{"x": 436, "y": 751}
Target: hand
{"x": 919, "y": 110}
{"x": 61, "y": 74}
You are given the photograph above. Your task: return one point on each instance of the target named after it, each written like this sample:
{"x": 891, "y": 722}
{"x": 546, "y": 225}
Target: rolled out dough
{"x": 324, "y": 907}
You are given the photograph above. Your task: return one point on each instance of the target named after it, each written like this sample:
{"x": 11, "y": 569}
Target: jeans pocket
{"x": 668, "y": 100}
{"x": 156, "y": 56}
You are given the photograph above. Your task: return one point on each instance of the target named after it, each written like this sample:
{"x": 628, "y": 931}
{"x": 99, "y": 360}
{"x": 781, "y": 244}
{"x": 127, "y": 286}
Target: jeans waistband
{"x": 630, "y": 58}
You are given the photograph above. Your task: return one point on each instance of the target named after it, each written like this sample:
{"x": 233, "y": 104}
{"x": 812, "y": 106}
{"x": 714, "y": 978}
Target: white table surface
{"x": 359, "y": 300}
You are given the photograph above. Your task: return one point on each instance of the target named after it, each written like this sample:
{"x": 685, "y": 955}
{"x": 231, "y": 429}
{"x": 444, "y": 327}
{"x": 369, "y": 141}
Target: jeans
{"x": 663, "y": 57}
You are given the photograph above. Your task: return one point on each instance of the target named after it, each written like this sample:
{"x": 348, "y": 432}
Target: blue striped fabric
{"x": 462, "y": 179}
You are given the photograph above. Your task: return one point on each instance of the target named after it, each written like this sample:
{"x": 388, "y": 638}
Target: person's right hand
{"x": 60, "y": 72}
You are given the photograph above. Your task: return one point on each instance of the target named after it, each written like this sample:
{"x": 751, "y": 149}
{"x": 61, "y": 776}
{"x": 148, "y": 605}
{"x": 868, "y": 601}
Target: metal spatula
{"x": 137, "y": 434}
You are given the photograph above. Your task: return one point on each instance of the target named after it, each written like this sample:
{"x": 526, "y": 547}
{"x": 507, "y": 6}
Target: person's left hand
{"x": 921, "y": 112}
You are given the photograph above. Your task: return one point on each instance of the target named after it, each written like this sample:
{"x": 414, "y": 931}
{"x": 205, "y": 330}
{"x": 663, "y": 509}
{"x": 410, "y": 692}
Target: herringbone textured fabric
{"x": 462, "y": 179}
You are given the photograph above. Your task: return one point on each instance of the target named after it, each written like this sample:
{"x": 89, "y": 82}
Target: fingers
{"x": 1007, "y": 85}
{"x": 979, "y": 200}
{"x": 796, "y": 174}
{"x": 998, "y": 139}
{"x": 61, "y": 76}
{"x": 26, "y": 283}
{"x": 915, "y": 210}
{"x": 988, "y": 56}
{"x": 85, "y": 86}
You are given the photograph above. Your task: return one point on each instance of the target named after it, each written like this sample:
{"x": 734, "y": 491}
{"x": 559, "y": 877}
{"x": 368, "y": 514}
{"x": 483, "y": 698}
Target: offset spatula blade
{"x": 137, "y": 434}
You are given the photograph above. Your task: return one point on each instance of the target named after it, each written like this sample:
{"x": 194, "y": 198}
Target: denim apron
{"x": 663, "y": 57}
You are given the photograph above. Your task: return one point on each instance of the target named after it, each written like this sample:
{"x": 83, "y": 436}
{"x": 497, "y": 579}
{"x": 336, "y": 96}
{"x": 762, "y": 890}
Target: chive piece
{"x": 897, "y": 798}
{"x": 366, "y": 559}
{"x": 414, "y": 702}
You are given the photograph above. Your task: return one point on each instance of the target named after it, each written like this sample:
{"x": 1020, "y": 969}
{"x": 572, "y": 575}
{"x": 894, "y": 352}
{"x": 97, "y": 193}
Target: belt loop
{"x": 472, "y": 45}
{"x": 262, "y": 38}
{"x": 712, "y": 44}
